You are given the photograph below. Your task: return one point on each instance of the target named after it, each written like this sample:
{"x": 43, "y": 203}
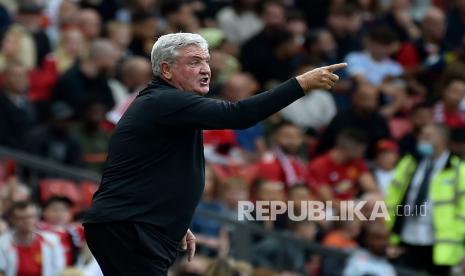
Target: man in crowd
{"x": 425, "y": 208}
{"x": 27, "y": 251}
{"x": 17, "y": 114}
{"x": 341, "y": 173}
{"x": 283, "y": 163}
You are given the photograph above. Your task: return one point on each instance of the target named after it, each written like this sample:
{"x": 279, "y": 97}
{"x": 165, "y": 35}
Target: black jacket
{"x": 155, "y": 167}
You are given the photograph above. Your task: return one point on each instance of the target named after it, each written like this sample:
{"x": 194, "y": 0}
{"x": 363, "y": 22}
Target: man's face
{"x": 352, "y": 150}
{"x": 377, "y": 240}
{"x": 16, "y": 79}
{"x": 57, "y": 213}
{"x": 191, "y": 71}
{"x": 25, "y": 220}
{"x": 430, "y": 134}
{"x": 271, "y": 190}
{"x": 366, "y": 99}
{"x": 420, "y": 118}
{"x": 289, "y": 138}
{"x": 454, "y": 93}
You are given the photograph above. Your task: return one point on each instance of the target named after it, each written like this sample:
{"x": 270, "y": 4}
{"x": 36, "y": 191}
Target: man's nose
{"x": 205, "y": 69}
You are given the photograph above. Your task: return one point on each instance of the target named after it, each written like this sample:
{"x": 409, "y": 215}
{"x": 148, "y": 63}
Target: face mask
{"x": 425, "y": 149}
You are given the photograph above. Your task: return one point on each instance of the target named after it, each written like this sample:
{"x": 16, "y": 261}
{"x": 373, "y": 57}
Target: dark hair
{"x": 452, "y": 78}
{"x": 264, "y": 4}
{"x": 140, "y": 17}
{"x": 20, "y": 205}
{"x": 382, "y": 34}
{"x": 58, "y": 199}
{"x": 354, "y": 135}
{"x": 281, "y": 124}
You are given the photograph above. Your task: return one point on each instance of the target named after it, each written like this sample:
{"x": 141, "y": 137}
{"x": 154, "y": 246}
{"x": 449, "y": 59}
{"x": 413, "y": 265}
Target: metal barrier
{"x": 244, "y": 231}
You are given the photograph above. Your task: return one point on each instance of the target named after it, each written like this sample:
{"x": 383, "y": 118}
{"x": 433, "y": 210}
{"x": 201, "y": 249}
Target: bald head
{"x": 365, "y": 98}
{"x": 434, "y": 24}
{"x": 239, "y": 86}
{"x": 103, "y": 54}
{"x": 135, "y": 72}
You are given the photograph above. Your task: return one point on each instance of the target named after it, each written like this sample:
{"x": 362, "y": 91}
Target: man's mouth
{"x": 204, "y": 81}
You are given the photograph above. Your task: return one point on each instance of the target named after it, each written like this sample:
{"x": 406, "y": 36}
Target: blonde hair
{"x": 25, "y": 50}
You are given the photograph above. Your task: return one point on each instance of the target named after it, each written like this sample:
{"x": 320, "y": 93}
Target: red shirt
{"x": 271, "y": 168}
{"x": 342, "y": 178}
{"x": 70, "y": 238}
{"x": 30, "y": 258}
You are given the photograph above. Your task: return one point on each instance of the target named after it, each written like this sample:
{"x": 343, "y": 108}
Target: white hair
{"x": 167, "y": 46}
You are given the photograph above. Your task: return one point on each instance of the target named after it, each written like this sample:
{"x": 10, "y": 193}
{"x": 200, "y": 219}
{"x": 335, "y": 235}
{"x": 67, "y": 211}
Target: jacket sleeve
{"x": 187, "y": 109}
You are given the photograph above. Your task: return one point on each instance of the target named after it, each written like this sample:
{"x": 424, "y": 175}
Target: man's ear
{"x": 165, "y": 69}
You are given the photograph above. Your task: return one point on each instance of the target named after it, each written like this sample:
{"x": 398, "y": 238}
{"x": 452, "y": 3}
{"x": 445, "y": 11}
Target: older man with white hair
{"x": 154, "y": 175}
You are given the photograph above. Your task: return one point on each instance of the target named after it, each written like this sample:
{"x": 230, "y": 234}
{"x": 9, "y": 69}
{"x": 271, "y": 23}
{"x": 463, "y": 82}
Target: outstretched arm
{"x": 187, "y": 109}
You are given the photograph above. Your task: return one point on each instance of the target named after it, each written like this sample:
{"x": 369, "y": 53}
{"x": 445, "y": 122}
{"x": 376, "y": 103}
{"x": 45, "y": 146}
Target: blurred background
{"x": 392, "y": 129}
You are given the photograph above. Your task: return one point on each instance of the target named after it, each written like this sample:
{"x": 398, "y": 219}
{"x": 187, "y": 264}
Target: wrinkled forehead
{"x": 193, "y": 51}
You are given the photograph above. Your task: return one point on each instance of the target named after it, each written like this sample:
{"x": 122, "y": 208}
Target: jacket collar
{"x": 157, "y": 82}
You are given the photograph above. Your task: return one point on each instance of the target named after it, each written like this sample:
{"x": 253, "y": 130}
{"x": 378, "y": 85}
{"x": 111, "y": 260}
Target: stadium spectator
{"x": 88, "y": 80}
{"x": 69, "y": 49}
{"x": 135, "y": 72}
{"x": 341, "y": 173}
{"x": 17, "y": 45}
{"x": 314, "y": 110}
{"x": 17, "y": 114}
{"x": 240, "y": 21}
{"x": 343, "y": 234}
{"x": 13, "y": 191}
{"x": 290, "y": 256}
{"x": 420, "y": 115}
{"x": 90, "y": 24}
{"x": 387, "y": 155}
{"x": 27, "y": 251}
{"x": 120, "y": 35}
{"x": 282, "y": 163}
{"x": 238, "y": 87}
{"x": 456, "y": 22}
{"x": 54, "y": 141}
{"x": 371, "y": 258}
{"x": 211, "y": 236}
{"x": 422, "y": 225}
{"x": 363, "y": 114}
{"x": 345, "y": 25}
{"x": 58, "y": 218}
{"x": 450, "y": 110}
{"x": 91, "y": 137}
{"x": 29, "y": 15}
{"x": 144, "y": 29}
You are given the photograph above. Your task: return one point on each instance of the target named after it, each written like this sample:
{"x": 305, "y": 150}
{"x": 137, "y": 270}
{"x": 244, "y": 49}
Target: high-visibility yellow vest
{"x": 447, "y": 195}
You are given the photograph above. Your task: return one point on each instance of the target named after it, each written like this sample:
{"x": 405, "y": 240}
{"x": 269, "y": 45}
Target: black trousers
{"x": 130, "y": 248}
{"x": 421, "y": 258}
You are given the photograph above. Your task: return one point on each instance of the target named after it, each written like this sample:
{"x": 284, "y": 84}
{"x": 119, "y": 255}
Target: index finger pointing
{"x": 335, "y": 67}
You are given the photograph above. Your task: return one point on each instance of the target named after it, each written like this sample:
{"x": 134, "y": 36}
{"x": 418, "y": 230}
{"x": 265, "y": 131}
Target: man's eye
{"x": 195, "y": 62}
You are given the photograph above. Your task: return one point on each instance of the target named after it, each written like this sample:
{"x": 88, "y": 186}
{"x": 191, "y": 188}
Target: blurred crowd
{"x": 392, "y": 129}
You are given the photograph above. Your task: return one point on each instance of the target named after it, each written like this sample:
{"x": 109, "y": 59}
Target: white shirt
{"x": 314, "y": 110}
{"x": 362, "y": 262}
{"x": 238, "y": 28}
{"x": 418, "y": 230}
{"x": 383, "y": 178}
{"x": 373, "y": 71}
